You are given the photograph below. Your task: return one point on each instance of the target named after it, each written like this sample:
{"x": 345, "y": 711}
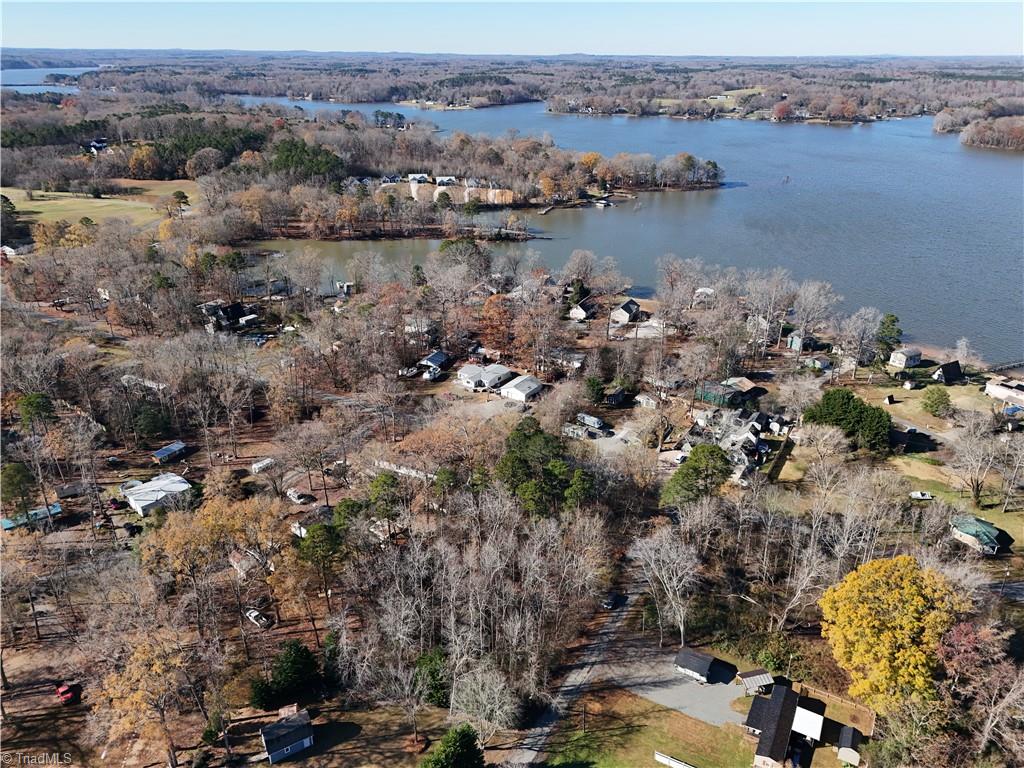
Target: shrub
{"x": 295, "y": 670}
{"x": 868, "y": 425}
{"x": 936, "y": 401}
{"x": 458, "y": 748}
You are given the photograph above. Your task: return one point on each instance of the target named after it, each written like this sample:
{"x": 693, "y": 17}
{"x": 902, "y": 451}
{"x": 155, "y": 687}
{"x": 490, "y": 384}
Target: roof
{"x": 777, "y": 723}
{"x": 849, "y": 737}
{"x": 742, "y": 383}
{"x": 908, "y": 352}
{"x": 470, "y": 372}
{"x": 157, "y": 488}
{"x": 809, "y": 718}
{"x": 695, "y": 661}
{"x": 286, "y": 731}
{"x": 629, "y": 305}
{"x": 526, "y": 384}
{"x": 32, "y": 516}
{"x": 437, "y": 359}
{"x": 983, "y": 531}
{"x": 169, "y": 450}
{"x": 756, "y": 678}
{"x": 950, "y": 371}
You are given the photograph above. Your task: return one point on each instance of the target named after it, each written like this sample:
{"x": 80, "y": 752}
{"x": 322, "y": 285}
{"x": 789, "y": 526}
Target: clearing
{"x": 137, "y": 207}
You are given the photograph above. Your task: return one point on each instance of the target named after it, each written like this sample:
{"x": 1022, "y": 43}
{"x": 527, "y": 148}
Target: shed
{"x": 756, "y": 681}
{"x": 617, "y": 397}
{"x": 849, "y": 745}
{"x": 818, "y": 363}
{"x": 583, "y": 310}
{"x": 905, "y": 357}
{"x": 169, "y": 452}
{"x": 626, "y": 312}
{"x": 949, "y": 373}
{"x": 980, "y": 535}
{"x": 800, "y": 341}
{"x": 694, "y": 664}
{"x": 522, "y": 388}
{"x": 148, "y": 497}
{"x": 287, "y": 737}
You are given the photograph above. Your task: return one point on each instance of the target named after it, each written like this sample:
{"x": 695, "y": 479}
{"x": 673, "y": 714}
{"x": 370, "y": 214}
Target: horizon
{"x": 680, "y": 30}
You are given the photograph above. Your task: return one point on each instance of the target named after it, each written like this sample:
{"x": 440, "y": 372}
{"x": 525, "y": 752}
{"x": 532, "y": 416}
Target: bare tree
{"x": 671, "y": 569}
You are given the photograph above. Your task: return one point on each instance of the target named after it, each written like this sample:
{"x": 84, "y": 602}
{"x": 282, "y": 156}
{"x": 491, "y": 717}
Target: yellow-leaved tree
{"x": 146, "y": 691}
{"x": 884, "y": 622}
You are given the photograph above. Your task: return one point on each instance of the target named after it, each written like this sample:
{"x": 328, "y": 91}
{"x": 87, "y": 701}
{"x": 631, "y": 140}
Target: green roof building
{"x": 976, "y": 533}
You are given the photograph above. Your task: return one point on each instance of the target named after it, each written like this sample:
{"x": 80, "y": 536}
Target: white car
{"x": 294, "y": 495}
{"x": 259, "y": 619}
{"x": 433, "y": 374}
{"x": 921, "y": 496}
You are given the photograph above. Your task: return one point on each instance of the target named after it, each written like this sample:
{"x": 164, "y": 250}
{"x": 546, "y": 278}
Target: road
{"x": 530, "y": 749}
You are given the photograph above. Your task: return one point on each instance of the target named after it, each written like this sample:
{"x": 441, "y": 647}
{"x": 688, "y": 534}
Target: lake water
{"x": 892, "y": 214}
{"x": 33, "y": 80}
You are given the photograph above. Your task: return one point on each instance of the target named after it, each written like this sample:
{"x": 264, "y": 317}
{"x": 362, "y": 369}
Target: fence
{"x": 671, "y": 762}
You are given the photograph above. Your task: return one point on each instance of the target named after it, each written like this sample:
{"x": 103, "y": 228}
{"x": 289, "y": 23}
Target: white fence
{"x": 671, "y": 762}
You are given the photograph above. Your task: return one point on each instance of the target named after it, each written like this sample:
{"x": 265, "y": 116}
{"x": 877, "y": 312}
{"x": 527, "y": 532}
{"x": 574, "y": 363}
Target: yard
{"x": 624, "y": 731}
{"x": 137, "y": 208}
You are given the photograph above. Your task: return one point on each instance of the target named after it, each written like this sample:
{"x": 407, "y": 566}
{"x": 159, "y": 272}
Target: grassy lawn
{"x": 137, "y": 208}
{"x": 624, "y": 731}
{"x": 908, "y": 401}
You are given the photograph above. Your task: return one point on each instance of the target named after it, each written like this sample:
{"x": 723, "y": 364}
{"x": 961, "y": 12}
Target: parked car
{"x": 433, "y": 374}
{"x": 261, "y": 620}
{"x": 68, "y": 693}
{"x": 294, "y": 495}
{"x": 921, "y": 496}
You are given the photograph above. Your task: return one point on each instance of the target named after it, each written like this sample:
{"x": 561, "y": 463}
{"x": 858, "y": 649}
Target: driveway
{"x": 655, "y": 678}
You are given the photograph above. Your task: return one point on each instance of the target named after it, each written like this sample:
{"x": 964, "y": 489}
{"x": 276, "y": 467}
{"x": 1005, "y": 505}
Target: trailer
{"x": 169, "y": 452}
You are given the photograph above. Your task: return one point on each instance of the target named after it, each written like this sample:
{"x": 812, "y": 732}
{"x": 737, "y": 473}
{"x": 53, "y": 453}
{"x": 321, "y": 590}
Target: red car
{"x": 69, "y": 693}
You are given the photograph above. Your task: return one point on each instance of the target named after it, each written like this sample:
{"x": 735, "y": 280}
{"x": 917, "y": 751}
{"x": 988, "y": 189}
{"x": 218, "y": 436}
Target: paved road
{"x": 531, "y": 746}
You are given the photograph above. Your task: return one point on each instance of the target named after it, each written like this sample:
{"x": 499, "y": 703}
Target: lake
{"x": 893, "y": 215}
{"x": 34, "y": 80}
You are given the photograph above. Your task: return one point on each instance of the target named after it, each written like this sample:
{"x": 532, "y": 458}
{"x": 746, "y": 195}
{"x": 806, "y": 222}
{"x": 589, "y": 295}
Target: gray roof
{"x": 286, "y": 731}
{"x": 695, "y": 661}
{"x": 776, "y": 723}
{"x": 756, "y": 678}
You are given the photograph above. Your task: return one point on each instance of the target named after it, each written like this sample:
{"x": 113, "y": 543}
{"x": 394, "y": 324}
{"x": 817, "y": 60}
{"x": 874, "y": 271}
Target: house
{"x": 799, "y": 341}
{"x": 818, "y": 363}
{"x": 980, "y": 535}
{"x": 486, "y": 377}
{"x": 756, "y": 681}
{"x": 949, "y": 373}
{"x": 169, "y": 452}
{"x": 419, "y": 178}
{"x": 626, "y": 312}
{"x": 771, "y": 720}
{"x": 567, "y": 359}
{"x": 718, "y": 394}
{"x": 703, "y": 297}
{"x": 153, "y": 495}
{"x": 436, "y": 359}
{"x": 390, "y": 179}
{"x": 583, "y": 311}
{"x": 221, "y": 314}
{"x": 129, "y": 381}
{"x": 575, "y": 431}
{"x": 694, "y": 664}
{"x": 31, "y": 517}
{"x": 849, "y": 745}
{"x": 663, "y": 382}
{"x": 617, "y": 397}
{"x": 287, "y": 737}
{"x": 645, "y": 400}
{"x": 905, "y": 357}
{"x": 445, "y": 181}
{"x": 522, "y": 388}
{"x": 1010, "y": 391}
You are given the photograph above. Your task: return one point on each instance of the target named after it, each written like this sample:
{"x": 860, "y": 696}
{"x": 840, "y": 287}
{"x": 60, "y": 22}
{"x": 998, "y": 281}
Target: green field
{"x": 624, "y": 731}
{"x": 136, "y": 208}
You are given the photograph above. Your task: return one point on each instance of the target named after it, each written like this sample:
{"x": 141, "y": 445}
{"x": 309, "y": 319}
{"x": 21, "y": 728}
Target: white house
{"x": 645, "y": 400}
{"x": 626, "y": 312}
{"x": 151, "y": 496}
{"x": 419, "y": 178}
{"x": 582, "y": 311}
{"x": 905, "y": 357}
{"x": 1008, "y": 390}
{"x": 487, "y": 377}
{"x": 522, "y": 388}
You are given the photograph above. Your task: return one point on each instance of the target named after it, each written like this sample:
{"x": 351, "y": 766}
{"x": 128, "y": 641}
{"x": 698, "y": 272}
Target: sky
{"x": 677, "y": 29}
